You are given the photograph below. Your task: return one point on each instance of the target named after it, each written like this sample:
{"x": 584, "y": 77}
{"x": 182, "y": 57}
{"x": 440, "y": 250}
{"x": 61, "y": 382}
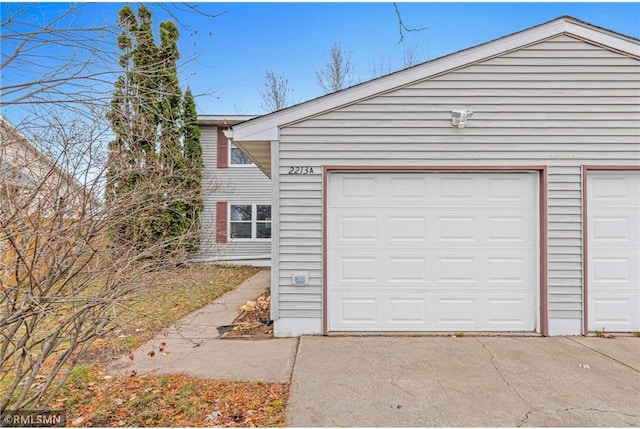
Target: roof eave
{"x": 223, "y": 120}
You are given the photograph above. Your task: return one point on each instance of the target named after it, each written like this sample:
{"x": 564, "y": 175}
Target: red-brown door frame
{"x": 542, "y": 176}
{"x": 585, "y": 236}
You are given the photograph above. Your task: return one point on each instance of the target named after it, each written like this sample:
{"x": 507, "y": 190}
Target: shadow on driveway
{"x": 467, "y": 381}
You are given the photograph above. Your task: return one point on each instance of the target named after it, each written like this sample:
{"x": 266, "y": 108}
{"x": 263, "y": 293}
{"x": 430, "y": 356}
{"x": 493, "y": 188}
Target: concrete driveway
{"x": 466, "y": 381}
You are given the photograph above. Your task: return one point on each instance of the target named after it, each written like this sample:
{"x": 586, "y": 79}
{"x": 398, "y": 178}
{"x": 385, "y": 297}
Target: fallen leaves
{"x": 178, "y": 401}
{"x": 263, "y": 302}
{"x": 255, "y": 320}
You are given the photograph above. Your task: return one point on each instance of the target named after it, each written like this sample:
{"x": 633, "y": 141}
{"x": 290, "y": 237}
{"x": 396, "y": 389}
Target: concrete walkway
{"x": 396, "y": 381}
{"x": 194, "y": 347}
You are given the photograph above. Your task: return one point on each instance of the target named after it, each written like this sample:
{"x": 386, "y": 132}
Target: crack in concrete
{"x": 495, "y": 366}
{"x": 600, "y": 411}
{"x": 526, "y": 416}
{"x": 447, "y": 389}
{"x": 353, "y": 389}
{"x": 393, "y": 383}
{"x": 601, "y": 353}
{"x": 295, "y": 360}
{"x": 446, "y": 392}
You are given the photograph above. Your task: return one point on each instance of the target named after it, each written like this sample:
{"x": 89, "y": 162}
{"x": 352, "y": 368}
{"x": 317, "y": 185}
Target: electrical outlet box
{"x": 300, "y": 278}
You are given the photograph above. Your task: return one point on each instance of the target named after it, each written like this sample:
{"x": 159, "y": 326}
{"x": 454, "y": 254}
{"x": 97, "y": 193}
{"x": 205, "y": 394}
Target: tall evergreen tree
{"x": 194, "y": 166}
{"x": 152, "y": 140}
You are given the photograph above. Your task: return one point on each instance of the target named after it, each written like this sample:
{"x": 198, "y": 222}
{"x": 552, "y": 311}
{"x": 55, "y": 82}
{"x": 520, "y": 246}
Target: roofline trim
{"x": 222, "y": 120}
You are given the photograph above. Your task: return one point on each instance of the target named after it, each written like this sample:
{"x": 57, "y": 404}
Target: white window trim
{"x": 230, "y": 164}
{"x": 254, "y": 221}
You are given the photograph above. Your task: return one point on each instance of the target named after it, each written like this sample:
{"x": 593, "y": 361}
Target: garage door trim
{"x": 542, "y": 239}
{"x": 585, "y": 226}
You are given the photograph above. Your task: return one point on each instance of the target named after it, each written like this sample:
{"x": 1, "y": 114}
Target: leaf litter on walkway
{"x": 254, "y": 321}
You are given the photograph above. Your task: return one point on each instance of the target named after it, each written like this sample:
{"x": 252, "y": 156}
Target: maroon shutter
{"x": 223, "y": 149}
{"x": 221, "y": 222}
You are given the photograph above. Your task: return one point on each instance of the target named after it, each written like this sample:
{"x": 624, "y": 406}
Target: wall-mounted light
{"x": 459, "y": 117}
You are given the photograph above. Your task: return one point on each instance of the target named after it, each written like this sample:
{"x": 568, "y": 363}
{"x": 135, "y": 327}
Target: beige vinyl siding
{"x": 235, "y": 185}
{"x": 560, "y": 103}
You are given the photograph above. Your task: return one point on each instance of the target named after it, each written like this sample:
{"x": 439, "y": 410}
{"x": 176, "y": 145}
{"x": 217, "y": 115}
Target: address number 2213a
{"x": 300, "y": 170}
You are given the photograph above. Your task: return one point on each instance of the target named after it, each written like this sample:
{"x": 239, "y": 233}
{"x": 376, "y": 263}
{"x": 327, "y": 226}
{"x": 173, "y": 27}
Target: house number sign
{"x": 300, "y": 170}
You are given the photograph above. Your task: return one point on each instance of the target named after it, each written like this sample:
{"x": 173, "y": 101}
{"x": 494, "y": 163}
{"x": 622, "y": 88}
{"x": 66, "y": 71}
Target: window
{"x": 249, "y": 221}
{"x": 237, "y": 157}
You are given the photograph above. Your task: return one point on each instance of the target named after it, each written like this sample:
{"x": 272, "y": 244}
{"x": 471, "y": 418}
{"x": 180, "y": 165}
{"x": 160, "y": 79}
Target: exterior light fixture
{"x": 459, "y": 117}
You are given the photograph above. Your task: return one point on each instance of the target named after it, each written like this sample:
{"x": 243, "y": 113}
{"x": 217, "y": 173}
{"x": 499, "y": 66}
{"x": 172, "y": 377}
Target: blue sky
{"x": 228, "y": 55}
{"x": 294, "y": 39}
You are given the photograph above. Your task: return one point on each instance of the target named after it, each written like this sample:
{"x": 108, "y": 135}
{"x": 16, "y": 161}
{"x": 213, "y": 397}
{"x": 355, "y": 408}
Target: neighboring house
{"x": 395, "y": 209}
{"x": 35, "y": 194}
{"x": 236, "y": 219}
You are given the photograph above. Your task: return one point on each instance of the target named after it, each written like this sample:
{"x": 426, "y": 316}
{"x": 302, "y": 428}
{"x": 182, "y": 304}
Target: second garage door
{"x": 432, "y": 252}
{"x": 614, "y": 250}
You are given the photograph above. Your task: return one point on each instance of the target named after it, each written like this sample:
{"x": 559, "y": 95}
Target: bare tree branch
{"x": 275, "y": 95}
{"x": 62, "y": 278}
{"x": 337, "y": 72}
{"x": 402, "y": 27}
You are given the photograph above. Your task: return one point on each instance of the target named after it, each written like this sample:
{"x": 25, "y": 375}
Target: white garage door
{"x": 432, "y": 251}
{"x": 613, "y": 249}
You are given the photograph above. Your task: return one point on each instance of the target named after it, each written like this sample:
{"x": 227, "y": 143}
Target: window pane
{"x": 238, "y": 157}
{"x": 241, "y": 212}
{"x": 240, "y": 229}
{"x": 263, "y": 230}
{"x": 264, "y": 213}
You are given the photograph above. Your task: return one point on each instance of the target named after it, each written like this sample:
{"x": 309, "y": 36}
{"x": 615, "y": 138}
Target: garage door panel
{"x": 614, "y": 312}
{"x": 407, "y": 311}
{"x": 614, "y": 269}
{"x": 407, "y": 188}
{"x": 514, "y": 228}
{"x": 407, "y": 269}
{"x": 614, "y": 188}
{"x": 512, "y": 270}
{"x": 614, "y": 226}
{"x": 358, "y": 188}
{"x": 613, "y": 245}
{"x": 433, "y": 270}
{"x": 358, "y": 269}
{"x": 509, "y": 189}
{"x": 456, "y": 188}
{"x": 447, "y": 226}
{"x": 358, "y": 228}
{"x": 510, "y": 311}
{"x": 408, "y": 228}
{"x": 383, "y": 311}
{"x": 361, "y": 310}
{"x": 452, "y": 227}
{"x": 435, "y": 189}
{"x": 457, "y": 313}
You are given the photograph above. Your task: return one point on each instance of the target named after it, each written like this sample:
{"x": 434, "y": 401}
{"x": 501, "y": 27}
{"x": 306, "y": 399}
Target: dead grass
{"x": 93, "y": 399}
{"x": 166, "y": 298}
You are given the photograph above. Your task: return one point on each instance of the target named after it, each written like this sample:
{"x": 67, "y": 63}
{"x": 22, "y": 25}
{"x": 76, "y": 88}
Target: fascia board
{"x": 602, "y": 37}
